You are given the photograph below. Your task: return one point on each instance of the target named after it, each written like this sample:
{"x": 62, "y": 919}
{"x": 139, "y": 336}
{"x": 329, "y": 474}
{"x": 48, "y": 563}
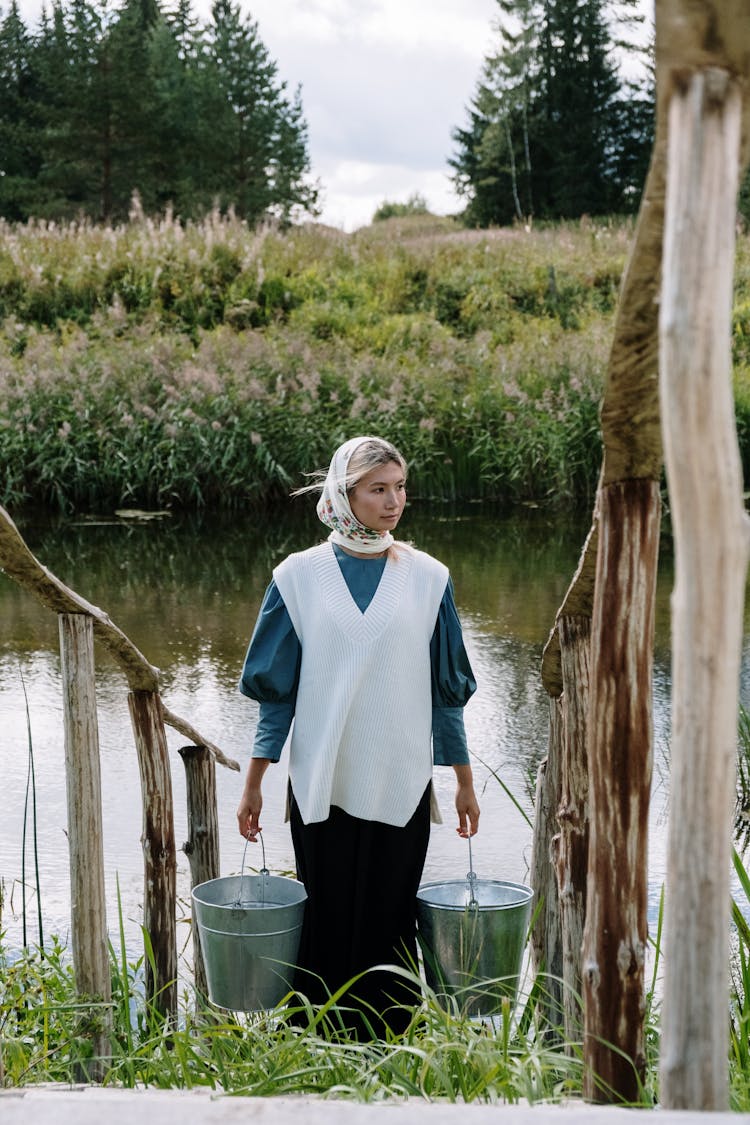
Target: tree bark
{"x": 620, "y": 762}
{"x": 88, "y": 922}
{"x": 711, "y": 550}
{"x": 546, "y": 944}
{"x": 573, "y": 813}
{"x": 202, "y": 845}
{"x": 158, "y": 842}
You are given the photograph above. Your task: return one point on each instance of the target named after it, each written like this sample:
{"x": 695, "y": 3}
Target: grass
{"x": 441, "y": 1055}
{"x": 46, "y": 1031}
{"x": 155, "y": 364}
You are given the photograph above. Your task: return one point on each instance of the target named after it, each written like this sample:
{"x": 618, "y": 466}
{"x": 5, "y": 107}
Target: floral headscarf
{"x": 335, "y": 511}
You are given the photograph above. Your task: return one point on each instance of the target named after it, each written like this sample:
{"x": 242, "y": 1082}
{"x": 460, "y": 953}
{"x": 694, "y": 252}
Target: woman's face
{"x": 378, "y": 498}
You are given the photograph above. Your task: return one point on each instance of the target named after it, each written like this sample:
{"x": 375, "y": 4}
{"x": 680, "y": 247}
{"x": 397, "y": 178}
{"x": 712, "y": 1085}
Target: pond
{"x": 187, "y": 593}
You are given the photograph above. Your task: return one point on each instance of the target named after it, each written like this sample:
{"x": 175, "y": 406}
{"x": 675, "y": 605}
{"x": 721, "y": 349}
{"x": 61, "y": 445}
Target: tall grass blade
{"x": 30, "y": 791}
{"x": 511, "y": 796}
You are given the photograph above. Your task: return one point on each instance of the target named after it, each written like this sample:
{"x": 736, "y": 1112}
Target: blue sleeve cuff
{"x": 449, "y": 737}
{"x": 274, "y": 722}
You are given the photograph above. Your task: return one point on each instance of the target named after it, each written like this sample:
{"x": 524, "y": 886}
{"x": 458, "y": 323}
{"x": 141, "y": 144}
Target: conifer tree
{"x": 105, "y": 100}
{"x": 554, "y": 132}
{"x": 20, "y": 142}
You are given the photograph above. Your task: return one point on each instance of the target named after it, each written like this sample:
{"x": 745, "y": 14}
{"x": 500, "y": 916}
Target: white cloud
{"x": 353, "y": 190}
{"x": 383, "y": 84}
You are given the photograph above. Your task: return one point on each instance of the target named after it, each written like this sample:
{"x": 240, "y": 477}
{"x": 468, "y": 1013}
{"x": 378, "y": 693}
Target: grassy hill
{"x": 158, "y": 364}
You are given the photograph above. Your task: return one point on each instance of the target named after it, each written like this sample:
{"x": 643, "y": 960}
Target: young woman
{"x": 358, "y": 641}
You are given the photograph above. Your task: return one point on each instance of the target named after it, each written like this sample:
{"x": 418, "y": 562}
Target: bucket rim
{"x": 197, "y": 897}
{"x": 524, "y": 895}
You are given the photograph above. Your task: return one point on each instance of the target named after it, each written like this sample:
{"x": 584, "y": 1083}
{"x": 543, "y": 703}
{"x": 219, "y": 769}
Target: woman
{"x": 358, "y": 641}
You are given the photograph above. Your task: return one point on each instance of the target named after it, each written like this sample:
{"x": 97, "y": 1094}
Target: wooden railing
{"x": 81, "y": 623}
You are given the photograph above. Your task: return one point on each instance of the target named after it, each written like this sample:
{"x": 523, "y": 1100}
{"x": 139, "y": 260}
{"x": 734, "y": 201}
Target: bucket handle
{"x": 471, "y": 878}
{"x": 263, "y": 871}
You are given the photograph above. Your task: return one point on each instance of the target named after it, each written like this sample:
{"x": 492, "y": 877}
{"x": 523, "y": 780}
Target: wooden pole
{"x": 158, "y": 842}
{"x": 620, "y": 761}
{"x": 573, "y": 812}
{"x": 546, "y": 942}
{"x": 88, "y": 921}
{"x": 202, "y": 845}
{"x": 711, "y": 552}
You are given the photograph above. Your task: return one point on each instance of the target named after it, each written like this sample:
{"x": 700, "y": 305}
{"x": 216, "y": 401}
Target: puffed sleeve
{"x": 271, "y": 674}
{"x": 453, "y": 685}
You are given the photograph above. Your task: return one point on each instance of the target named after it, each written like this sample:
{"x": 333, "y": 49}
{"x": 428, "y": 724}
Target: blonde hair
{"x": 371, "y": 454}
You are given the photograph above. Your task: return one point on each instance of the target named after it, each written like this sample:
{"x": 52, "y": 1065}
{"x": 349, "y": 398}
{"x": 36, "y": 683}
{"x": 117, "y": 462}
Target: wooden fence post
{"x": 573, "y": 812}
{"x": 157, "y": 840}
{"x": 620, "y": 760}
{"x": 546, "y": 941}
{"x": 711, "y": 552}
{"x": 88, "y": 922}
{"x": 202, "y": 845}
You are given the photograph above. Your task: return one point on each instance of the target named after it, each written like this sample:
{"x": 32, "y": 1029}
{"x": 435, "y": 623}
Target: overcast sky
{"x": 383, "y": 84}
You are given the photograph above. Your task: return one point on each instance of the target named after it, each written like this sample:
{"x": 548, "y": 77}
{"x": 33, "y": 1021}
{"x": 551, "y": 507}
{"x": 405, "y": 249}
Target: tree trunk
{"x": 202, "y": 846}
{"x": 546, "y": 945}
{"x": 711, "y": 549}
{"x": 573, "y": 812}
{"x": 619, "y": 760}
{"x": 88, "y": 923}
{"x": 157, "y": 840}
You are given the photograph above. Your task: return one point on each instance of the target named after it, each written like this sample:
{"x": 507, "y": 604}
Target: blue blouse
{"x": 272, "y": 666}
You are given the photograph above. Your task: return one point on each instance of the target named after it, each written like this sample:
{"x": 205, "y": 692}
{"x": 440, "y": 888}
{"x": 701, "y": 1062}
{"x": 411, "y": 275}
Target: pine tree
{"x": 257, "y": 148}
{"x": 20, "y": 129}
{"x": 105, "y": 101}
{"x": 554, "y": 132}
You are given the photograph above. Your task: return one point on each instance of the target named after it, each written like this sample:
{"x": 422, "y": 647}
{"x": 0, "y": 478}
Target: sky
{"x": 384, "y": 82}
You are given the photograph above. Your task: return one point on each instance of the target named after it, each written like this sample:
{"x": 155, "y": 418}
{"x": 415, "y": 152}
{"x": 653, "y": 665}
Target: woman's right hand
{"x": 248, "y": 813}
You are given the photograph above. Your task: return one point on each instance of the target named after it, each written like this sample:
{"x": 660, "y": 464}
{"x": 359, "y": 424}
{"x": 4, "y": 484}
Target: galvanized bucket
{"x": 249, "y": 928}
{"x": 473, "y": 932}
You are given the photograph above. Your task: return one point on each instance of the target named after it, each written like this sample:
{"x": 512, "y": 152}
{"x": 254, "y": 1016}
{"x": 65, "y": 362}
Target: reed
{"x": 156, "y": 364}
{"x": 29, "y": 811}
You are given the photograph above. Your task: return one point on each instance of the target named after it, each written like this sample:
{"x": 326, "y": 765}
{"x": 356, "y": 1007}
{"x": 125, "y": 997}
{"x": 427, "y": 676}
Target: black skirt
{"x": 361, "y": 879}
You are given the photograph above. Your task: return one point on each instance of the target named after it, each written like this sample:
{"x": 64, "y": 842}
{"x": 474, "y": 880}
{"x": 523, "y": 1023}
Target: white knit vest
{"x": 362, "y": 730}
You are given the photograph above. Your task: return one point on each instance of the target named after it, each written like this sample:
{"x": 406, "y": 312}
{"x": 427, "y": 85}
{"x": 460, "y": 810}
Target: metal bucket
{"x": 249, "y": 928}
{"x": 473, "y": 935}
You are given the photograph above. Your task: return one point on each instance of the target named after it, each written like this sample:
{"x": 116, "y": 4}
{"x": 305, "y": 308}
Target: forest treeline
{"x": 97, "y": 103}
{"x": 164, "y": 364}
{"x": 101, "y": 101}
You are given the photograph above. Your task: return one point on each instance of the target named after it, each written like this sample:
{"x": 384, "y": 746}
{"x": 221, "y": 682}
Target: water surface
{"x": 187, "y": 593}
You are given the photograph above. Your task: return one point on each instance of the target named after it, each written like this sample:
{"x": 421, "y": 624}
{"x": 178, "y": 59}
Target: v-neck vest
{"x": 361, "y": 737}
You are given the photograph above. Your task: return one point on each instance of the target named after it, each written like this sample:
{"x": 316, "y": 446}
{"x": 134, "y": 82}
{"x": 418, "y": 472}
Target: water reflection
{"x": 187, "y": 594}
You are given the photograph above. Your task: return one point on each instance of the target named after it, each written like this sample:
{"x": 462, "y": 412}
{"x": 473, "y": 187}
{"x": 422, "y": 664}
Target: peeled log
{"x": 88, "y": 921}
{"x": 711, "y": 554}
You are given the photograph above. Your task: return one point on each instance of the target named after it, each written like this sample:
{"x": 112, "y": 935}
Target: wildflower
{"x": 216, "y": 425}
{"x": 255, "y": 439}
{"x": 64, "y": 430}
{"x": 428, "y": 424}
